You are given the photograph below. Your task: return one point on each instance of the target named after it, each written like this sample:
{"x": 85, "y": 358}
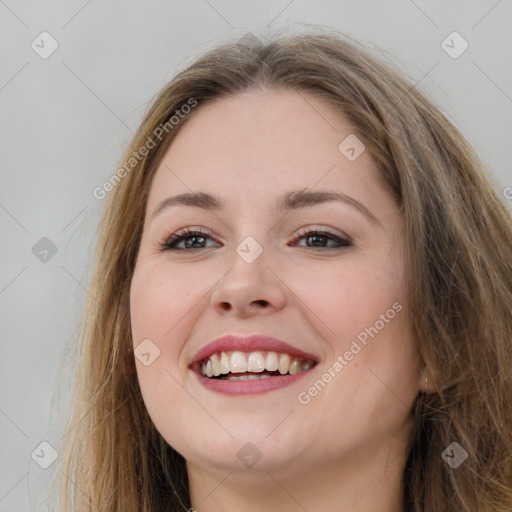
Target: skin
{"x": 345, "y": 449}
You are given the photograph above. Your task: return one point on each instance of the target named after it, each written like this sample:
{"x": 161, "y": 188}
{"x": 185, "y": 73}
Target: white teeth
{"x": 248, "y": 377}
{"x": 256, "y": 362}
{"x": 216, "y": 365}
{"x": 295, "y": 367}
{"x": 271, "y": 362}
{"x": 238, "y": 362}
{"x": 209, "y": 368}
{"x": 284, "y": 363}
{"x": 225, "y": 363}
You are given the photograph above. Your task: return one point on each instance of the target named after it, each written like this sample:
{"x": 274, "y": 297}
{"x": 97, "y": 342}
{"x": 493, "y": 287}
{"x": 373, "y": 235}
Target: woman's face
{"x": 323, "y": 275}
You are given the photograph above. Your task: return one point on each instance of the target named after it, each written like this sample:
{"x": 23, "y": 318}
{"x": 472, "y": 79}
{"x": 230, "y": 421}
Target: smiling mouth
{"x": 257, "y": 365}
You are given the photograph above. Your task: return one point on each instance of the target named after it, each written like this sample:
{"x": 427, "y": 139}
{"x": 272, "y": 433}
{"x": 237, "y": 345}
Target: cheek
{"x": 160, "y": 299}
{"x": 157, "y": 305}
{"x": 349, "y": 296}
{"x": 155, "y": 309}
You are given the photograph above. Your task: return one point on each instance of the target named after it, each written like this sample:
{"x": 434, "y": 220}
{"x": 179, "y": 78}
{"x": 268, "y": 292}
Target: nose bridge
{"x": 251, "y": 236}
{"x": 250, "y": 250}
{"x": 248, "y": 263}
{"x": 249, "y": 284}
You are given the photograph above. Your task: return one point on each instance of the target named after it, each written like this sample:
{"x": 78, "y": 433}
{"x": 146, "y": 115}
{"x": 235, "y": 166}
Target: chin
{"x": 248, "y": 449}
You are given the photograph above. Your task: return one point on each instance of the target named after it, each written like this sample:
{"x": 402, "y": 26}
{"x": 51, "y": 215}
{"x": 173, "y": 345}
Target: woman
{"x": 301, "y": 300}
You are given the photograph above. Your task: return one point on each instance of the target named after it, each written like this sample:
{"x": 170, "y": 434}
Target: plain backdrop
{"x": 66, "y": 117}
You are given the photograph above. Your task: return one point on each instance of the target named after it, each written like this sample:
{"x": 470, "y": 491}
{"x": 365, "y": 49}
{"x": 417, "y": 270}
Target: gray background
{"x": 65, "y": 120}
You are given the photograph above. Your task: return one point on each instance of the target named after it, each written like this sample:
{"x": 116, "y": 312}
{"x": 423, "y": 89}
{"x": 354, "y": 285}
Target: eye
{"x": 196, "y": 239}
{"x": 319, "y": 239}
{"x": 192, "y": 238}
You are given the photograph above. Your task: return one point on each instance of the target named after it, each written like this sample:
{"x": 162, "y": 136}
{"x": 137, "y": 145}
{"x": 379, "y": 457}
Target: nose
{"x": 247, "y": 289}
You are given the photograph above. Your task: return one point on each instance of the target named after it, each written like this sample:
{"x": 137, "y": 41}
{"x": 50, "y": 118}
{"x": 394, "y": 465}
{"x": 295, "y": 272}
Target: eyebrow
{"x": 292, "y": 200}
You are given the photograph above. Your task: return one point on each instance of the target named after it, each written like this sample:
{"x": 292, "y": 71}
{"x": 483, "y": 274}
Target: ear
{"x": 425, "y": 384}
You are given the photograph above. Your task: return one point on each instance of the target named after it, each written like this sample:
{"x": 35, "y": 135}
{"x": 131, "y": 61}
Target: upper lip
{"x": 253, "y": 343}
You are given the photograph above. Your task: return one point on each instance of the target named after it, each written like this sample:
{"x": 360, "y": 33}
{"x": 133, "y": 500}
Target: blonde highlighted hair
{"x": 458, "y": 235}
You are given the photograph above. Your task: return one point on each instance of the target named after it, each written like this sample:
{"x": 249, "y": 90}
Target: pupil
{"x": 188, "y": 245}
{"x": 316, "y": 237}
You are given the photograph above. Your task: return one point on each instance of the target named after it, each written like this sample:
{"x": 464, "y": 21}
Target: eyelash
{"x": 170, "y": 243}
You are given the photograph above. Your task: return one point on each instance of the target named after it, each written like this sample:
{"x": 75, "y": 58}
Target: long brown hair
{"x": 458, "y": 235}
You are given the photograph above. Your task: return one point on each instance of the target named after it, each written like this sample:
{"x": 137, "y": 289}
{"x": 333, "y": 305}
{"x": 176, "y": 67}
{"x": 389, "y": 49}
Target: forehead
{"x": 262, "y": 143}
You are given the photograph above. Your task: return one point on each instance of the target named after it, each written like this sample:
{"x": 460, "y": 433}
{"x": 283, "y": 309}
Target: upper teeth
{"x": 222, "y": 363}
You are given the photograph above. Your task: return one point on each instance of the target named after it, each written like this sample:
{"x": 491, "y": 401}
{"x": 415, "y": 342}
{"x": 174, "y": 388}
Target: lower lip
{"x": 249, "y": 387}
